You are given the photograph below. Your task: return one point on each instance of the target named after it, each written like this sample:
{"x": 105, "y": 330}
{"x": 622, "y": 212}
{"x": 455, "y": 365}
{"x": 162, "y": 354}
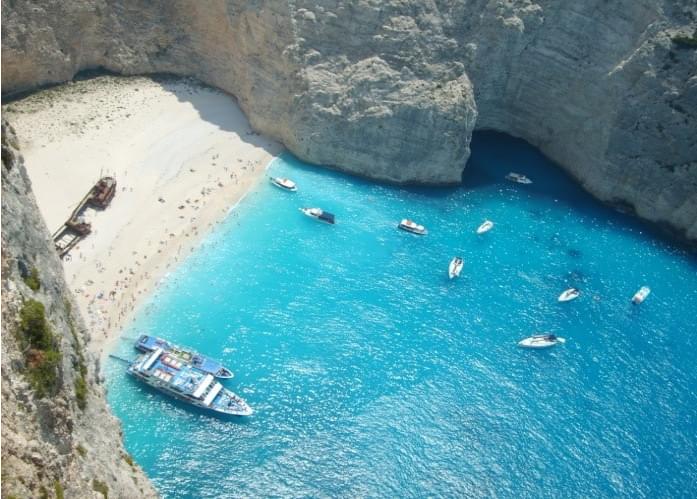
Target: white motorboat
{"x": 518, "y": 178}
{"x": 319, "y": 214}
{"x": 455, "y": 267}
{"x": 485, "y": 227}
{"x": 412, "y": 227}
{"x": 545, "y": 340}
{"x": 641, "y": 295}
{"x": 284, "y": 183}
{"x": 569, "y": 294}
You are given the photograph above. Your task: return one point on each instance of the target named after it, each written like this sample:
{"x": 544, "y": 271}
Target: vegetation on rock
{"x": 79, "y": 362}
{"x": 32, "y": 280}
{"x": 101, "y": 487}
{"x": 40, "y": 348}
{"x": 129, "y": 460}
{"x": 81, "y": 392}
{"x": 59, "y": 489}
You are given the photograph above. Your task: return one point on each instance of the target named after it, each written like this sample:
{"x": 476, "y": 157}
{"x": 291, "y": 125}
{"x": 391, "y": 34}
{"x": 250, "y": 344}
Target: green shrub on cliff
{"x": 33, "y": 325}
{"x": 43, "y": 371}
{"x": 79, "y": 362}
{"x": 32, "y": 280}
{"x": 59, "y": 489}
{"x": 81, "y": 392}
{"x": 100, "y": 487}
{"x": 40, "y": 350}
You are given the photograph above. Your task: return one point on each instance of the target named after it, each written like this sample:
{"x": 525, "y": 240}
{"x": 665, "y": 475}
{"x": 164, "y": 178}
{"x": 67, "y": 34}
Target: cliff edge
{"x": 58, "y": 436}
{"x": 392, "y": 90}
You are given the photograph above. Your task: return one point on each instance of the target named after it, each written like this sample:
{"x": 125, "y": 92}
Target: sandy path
{"x": 182, "y": 155}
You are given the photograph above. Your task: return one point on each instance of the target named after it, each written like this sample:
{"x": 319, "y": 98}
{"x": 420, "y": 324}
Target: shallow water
{"x": 372, "y": 374}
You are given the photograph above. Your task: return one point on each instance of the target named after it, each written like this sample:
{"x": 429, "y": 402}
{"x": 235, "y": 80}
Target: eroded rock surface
{"x": 50, "y": 443}
{"x": 393, "y": 89}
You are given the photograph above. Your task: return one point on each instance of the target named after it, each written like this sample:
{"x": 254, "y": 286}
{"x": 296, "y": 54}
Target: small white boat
{"x": 455, "y": 267}
{"x": 541, "y": 341}
{"x": 518, "y": 178}
{"x": 412, "y": 227}
{"x": 284, "y": 183}
{"x": 641, "y": 295}
{"x": 569, "y": 294}
{"x": 319, "y": 214}
{"x": 485, "y": 227}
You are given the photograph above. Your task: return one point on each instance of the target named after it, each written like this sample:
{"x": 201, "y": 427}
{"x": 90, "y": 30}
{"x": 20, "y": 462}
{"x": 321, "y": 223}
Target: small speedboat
{"x": 518, "y": 178}
{"x": 284, "y": 183}
{"x": 569, "y": 294}
{"x": 455, "y": 267}
{"x": 319, "y": 214}
{"x": 412, "y": 227}
{"x": 485, "y": 227}
{"x": 541, "y": 341}
{"x": 641, "y": 295}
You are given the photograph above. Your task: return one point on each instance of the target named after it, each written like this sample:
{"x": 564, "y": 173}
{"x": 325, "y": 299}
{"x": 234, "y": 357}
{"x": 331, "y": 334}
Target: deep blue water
{"x": 373, "y": 375}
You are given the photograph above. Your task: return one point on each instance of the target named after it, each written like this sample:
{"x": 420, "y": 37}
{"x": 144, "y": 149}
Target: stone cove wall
{"x": 387, "y": 89}
{"x": 393, "y": 89}
{"x": 58, "y": 436}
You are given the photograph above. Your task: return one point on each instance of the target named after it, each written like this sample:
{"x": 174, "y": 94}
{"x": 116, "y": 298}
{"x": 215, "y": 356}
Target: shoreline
{"x": 192, "y": 158}
{"x": 147, "y": 288}
{"x": 168, "y": 263}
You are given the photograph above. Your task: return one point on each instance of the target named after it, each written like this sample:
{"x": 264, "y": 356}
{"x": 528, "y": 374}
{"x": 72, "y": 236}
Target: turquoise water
{"x": 373, "y": 375}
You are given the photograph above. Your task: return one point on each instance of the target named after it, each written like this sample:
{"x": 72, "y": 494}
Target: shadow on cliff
{"x": 215, "y": 110}
{"x": 495, "y": 154}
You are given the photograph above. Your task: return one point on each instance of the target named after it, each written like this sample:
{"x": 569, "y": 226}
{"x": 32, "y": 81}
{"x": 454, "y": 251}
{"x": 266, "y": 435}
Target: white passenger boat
{"x": 518, "y": 178}
{"x": 166, "y": 373}
{"x": 545, "y": 340}
{"x": 319, "y": 214}
{"x": 641, "y": 295}
{"x": 569, "y": 294}
{"x": 455, "y": 267}
{"x": 485, "y": 227}
{"x": 284, "y": 183}
{"x": 412, "y": 227}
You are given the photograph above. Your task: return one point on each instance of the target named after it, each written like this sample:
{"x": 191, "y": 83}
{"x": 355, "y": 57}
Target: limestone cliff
{"x": 58, "y": 437}
{"x": 392, "y": 89}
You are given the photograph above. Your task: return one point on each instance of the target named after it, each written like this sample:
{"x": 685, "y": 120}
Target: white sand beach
{"x": 182, "y": 155}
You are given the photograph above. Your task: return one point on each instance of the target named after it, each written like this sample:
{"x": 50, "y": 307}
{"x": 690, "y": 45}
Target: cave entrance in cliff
{"x": 495, "y": 154}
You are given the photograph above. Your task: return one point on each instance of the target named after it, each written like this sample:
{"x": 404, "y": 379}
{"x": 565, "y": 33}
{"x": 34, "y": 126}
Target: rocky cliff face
{"x": 58, "y": 436}
{"x": 601, "y": 88}
{"x": 393, "y": 89}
